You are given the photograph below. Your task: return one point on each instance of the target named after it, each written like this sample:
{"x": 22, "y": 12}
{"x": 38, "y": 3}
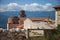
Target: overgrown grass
{"x": 58, "y": 27}
{"x": 37, "y": 38}
{"x": 55, "y": 35}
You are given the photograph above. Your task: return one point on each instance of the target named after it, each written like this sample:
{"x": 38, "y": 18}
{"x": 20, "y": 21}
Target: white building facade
{"x": 29, "y": 24}
{"x": 57, "y": 15}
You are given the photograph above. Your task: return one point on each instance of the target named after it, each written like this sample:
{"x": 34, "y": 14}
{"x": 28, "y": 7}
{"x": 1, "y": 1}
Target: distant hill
{"x": 10, "y": 13}
{"x": 3, "y": 21}
{"x": 4, "y": 17}
{"x": 31, "y": 14}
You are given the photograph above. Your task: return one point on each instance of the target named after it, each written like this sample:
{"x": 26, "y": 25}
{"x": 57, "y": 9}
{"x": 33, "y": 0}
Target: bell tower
{"x": 22, "y": 14}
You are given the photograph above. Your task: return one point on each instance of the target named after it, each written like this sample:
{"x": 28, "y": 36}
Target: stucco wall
{"x": 29, "y": 24}
{"x": 58, "y": 17}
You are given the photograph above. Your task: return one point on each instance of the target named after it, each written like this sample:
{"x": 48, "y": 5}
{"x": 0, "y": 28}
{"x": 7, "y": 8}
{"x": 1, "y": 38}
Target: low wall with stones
{"x": 14, "y": 35}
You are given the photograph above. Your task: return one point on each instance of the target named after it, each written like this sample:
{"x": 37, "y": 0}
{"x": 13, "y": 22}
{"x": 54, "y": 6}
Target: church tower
{"x": 22, "y": 14}
{"x": 22, "y": 17}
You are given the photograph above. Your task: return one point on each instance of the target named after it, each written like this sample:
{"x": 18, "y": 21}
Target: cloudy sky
{"x": 28, "y": 5}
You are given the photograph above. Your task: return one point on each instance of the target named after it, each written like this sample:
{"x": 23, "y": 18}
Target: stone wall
{"x": 12, "y": 35}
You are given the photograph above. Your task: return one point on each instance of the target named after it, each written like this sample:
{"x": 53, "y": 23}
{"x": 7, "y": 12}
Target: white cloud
{"x": 12, "y": 5}
{"x": 27, "y": 7}
{"x": 38, "y": 7}
{"x": 48, "y": 7}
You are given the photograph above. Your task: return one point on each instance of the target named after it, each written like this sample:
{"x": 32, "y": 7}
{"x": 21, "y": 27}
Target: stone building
{"x": 23, "y": 22}
{"x": 57, "y": 14}
{"x": 16, "y": 22}
{"x": 41, "y": 23}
